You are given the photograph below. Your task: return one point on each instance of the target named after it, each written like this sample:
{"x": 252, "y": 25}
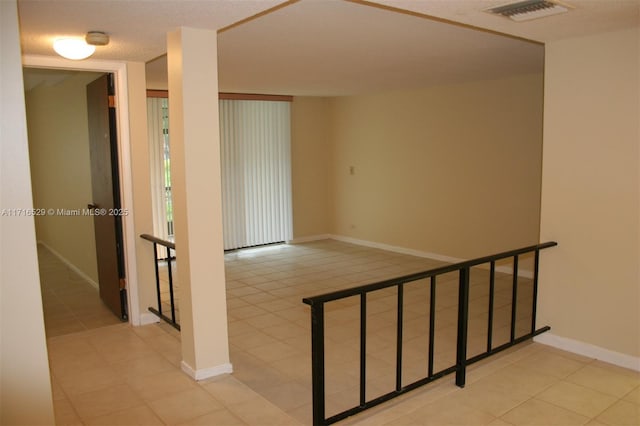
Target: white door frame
{"x": 119, "y": 69}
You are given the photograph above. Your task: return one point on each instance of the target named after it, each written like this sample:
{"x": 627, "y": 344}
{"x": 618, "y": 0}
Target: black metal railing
{"x": 317, "y": 304}
{"x": 169, "y": 246}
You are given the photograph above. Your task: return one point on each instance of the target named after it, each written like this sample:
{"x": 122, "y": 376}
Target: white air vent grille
{"x": 529, "y": 9}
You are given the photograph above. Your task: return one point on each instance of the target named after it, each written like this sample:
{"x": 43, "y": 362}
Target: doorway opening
{"x": 66, "y": 124}
{"x": 127, "y": 308}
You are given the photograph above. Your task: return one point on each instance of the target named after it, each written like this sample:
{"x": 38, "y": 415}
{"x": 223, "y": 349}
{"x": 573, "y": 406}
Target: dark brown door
{"x": 105, "y": 205}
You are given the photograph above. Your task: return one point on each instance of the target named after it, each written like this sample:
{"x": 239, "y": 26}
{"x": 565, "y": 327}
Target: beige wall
{"x": 310, "y": 166}
{"x": 25, "y": 386}
{"x": 61, "y": 168}
{"x": 452, "y": 170}
{"x": 589, "y": 284}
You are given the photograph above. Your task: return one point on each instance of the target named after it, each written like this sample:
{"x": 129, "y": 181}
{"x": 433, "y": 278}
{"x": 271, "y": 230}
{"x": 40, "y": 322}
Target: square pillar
{"x": 197, "y": 200}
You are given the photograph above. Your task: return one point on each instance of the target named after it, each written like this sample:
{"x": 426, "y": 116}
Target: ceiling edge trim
{"x": 258, "y": 15}
{"x": 438, "y": 19}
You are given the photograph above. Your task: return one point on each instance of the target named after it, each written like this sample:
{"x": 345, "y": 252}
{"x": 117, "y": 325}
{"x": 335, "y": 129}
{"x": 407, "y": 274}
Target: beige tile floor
{"x": 69, "y": 302}
{"x": 270, "y": 342}
{"x": 121, "y": 375}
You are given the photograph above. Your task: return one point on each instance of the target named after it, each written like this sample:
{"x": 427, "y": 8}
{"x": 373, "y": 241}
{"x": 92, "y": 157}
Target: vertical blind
{"x": 157, "y": 116}
{"x": 256, "y": 172}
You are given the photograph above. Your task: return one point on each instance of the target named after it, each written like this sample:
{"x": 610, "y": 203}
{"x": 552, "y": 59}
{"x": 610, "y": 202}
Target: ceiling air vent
{"x": 529, "y": 9}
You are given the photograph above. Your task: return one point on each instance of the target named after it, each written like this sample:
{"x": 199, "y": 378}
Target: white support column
{"x": 197, "y": 208}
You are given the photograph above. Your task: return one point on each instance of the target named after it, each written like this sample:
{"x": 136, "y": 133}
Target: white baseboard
{"x": 589, "y": 350}
{"x": 434, "y": 256}
{"x": 309, "y": 239}
{"x": 397, "y": 249}
{"x": 509, "y": 271}
{"x": 206, "y": 373}
{"x": 71, "y": 265}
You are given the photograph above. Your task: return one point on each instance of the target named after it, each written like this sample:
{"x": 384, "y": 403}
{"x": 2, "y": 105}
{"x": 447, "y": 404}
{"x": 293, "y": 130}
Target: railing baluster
{"x": 363, "y": 349}
{"x": 171, "y": 299}
{"x": 432, "y": 322}
{"x": 155, "y": 259}
{"x": 169, "y": 246}
{"x": 463, "y": 324}
{"x": 492, "y": 290}
{"x": 317, "y": 363}
{"x": 399, "y": 341}
{"x": 514, "y": 298}
{"x": 534, "y": 308}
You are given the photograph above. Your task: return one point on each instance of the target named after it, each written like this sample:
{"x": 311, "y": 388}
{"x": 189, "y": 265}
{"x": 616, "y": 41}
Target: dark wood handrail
{"x": 354, "y": 291}
{"x": 157, "y": 240}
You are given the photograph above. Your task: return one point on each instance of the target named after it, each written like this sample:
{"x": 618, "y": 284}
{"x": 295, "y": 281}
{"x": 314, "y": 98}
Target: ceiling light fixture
{"x": 77, "y": 48}
{"x": 73, "y": 48}
{"x": 530, "y": 9}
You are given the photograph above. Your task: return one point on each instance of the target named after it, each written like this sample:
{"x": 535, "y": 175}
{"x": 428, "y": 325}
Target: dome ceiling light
{"x": 77, "y": 48}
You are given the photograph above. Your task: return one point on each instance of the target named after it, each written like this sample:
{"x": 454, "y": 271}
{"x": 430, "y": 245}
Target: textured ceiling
{"x": 324, "y": 47}
{"x": 137, "y": 28}
{"x": 350, "y": 48}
